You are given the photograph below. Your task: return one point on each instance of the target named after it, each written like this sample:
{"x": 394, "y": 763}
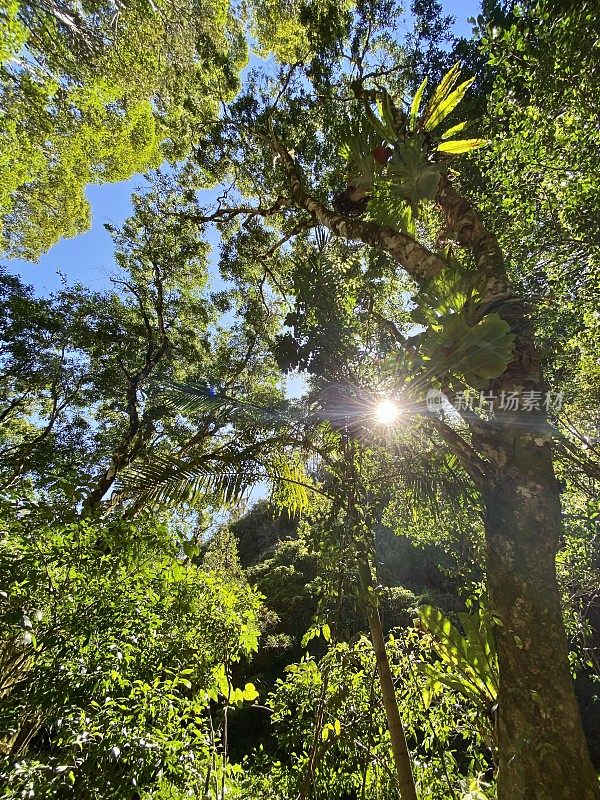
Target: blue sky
{"x": 88, "y": 258}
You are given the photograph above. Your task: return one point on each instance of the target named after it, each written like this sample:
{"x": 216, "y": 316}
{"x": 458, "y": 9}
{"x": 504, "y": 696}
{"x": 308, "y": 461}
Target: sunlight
{"x": 387, "y": 412}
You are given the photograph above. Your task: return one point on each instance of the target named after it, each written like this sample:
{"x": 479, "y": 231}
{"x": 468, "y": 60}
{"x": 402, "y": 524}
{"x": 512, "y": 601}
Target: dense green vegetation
{"x": 410, "y": 610}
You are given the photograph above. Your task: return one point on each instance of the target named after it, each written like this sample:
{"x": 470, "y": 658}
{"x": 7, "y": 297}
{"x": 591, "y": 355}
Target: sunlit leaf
{"x": 442, "y": 91}
{"x": 416, "y": 104}
{"x": 461, "y": 146}
{"x": 437, "y": 114}
{"x": 455, "y": 129}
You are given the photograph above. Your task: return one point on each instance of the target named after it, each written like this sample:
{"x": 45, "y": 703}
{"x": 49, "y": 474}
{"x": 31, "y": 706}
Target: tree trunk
{"x": 388, "y": 693}
{"x": 543, "y": 752}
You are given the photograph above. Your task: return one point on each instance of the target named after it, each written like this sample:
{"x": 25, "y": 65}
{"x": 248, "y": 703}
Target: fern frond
{"x": 167, "y": 479}
{"x": 193, "y": 398}
{"x": 438, "y": 113}
{"x": 290, "y": 484}
{"x": 468, "y": 663}
{"x": 357, "y": 148}
{"x": 416, "y": 104}
{"x": 441, "y": 93}
{"x": 388, "y": 207}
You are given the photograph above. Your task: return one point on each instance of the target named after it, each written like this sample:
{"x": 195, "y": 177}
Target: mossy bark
{"x": 543, "y": 752}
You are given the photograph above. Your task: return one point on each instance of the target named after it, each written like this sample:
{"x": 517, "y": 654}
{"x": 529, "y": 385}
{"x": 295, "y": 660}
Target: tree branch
{"x": 418, "y": 261}
{"x": 466, "y": 226}
{"x": 472, "y": 463}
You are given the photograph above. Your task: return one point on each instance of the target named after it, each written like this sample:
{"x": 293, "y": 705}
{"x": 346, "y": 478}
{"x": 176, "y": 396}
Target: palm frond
{"x": 191, "y": 398}
{"x": 197, "y": 398}
{"x": 168, "y": 479}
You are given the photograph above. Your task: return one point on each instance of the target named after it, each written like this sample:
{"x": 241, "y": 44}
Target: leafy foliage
{"x": 456, "y": 341}
{"x": 406, "y": 170}
{"x": 351, "y": 743}
{"x": 468, "y": 663}
{"x": 97, "y": 97}
{"x": 111, "y": 654}
{"x": 134, "y": 423}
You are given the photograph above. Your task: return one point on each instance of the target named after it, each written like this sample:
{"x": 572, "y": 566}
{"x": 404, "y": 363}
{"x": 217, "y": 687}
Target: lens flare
{"x": 387, "y": 412}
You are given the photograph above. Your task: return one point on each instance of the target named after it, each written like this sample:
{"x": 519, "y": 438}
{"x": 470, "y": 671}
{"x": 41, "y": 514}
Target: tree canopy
{"x": 386, "y": 587}
{"x": 98, "y": 94}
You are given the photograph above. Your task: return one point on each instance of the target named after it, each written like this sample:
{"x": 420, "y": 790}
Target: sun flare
{"x": 387, "y": 412}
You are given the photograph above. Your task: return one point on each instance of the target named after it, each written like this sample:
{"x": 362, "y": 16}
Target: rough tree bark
{"x": 543, "y": 752}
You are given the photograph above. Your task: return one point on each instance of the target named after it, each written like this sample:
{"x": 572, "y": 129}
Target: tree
{"x": 352, "y": 740}
{"x": 78, "y": 367}
{"x": 94, "y": 95}
{"x": 480, "y": 318}
{"x": 111, "y": 657}
{"x": 106, "y": 609}
{"x": 546, "y": 134}
{"x": 344, "y": 224}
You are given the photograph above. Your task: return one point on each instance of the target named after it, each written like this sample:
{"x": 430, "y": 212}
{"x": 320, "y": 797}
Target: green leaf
{"x": 359, "y": 143}
{"x": 454, "y": 130}
{"x": 345, "y": 151}
{"x": 411, "y": 175}
{"x": 387, "y": 114}
{"x": 191, "y": 398}
{"x": 460, "y": 146}
{"x": 438, "y": 113}
{"x": 168, "y": 479}
{"x": 389, "y": 207}
{"x": 488, "y": 349}
{"x": 250, "y": 692}
{"x": 379, "y": 127}
{"x": 416, "y": 104}
{"x": 312, "y": 633}
{"x": 222, "y": 681}
{"x": 470, "y": 661}
{"x": 441, "y": 93}
{"x": 236, "y": 697}
{"x": 290, "y": 484}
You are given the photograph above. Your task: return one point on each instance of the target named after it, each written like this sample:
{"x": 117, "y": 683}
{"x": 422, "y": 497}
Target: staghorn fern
{"x": 416, "y": 149}
{"x": 468, "y": 663}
